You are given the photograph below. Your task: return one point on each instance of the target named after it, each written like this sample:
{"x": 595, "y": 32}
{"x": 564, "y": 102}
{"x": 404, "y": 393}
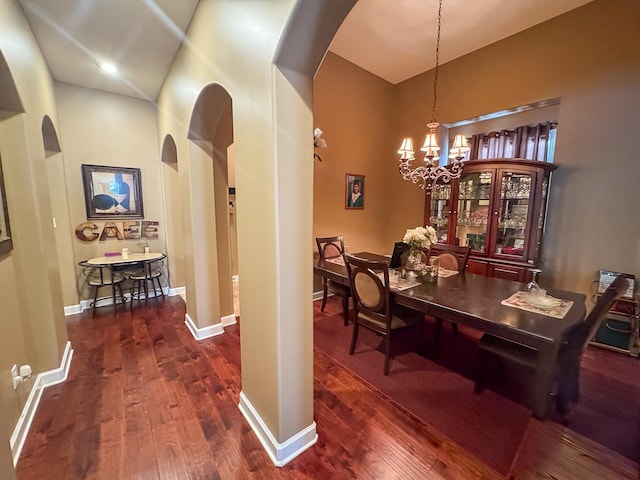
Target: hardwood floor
{"x": 145, "y": 400}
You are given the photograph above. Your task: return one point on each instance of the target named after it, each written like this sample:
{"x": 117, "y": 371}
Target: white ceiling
{"x": 394, "y": 39}
{"x": 141, "y": 37}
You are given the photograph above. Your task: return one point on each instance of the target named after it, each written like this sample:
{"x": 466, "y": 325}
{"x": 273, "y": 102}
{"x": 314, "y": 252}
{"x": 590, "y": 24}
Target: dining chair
{"x": 372, "y": 303}
{"x": 149, "y": 273}
{"x": 333, "y": 247}
{"x": 100, "y": 276}
{"x": 567, "y": 376}
{"x": 450, "y": 257}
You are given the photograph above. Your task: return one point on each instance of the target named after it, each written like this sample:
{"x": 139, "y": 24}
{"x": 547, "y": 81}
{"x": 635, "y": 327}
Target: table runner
{"x": 519, "y": 300}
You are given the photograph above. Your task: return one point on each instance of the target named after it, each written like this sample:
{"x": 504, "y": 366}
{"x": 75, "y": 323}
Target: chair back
{"x": 399, "y": 248}
{"x": 370, "y": 289}
{"x": 96, "y": 275}
{"x": 330, "y": 246}
{"x": 451, "y": 257}
{"x": 580, "y": 336}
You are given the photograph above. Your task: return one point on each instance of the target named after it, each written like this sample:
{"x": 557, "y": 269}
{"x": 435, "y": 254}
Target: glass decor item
{"x": 533, "y": 286}
{"x": 415, "y": 260}
{"x": 430, "y": 273}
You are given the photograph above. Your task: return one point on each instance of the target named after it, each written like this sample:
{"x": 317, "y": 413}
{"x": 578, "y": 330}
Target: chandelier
{"x": 431, "y": 172}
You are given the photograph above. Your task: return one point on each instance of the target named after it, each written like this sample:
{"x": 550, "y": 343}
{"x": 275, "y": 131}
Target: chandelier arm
{"x": 428, "y": 174}
{"x": 425, "y": 176}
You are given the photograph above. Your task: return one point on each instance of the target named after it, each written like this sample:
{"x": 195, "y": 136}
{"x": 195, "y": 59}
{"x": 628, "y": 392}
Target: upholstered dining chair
{"x": 372, "y": 303}
{"x": 450, "y": 257}
{"x": 100, "y": 276}
{"x": 333, "y": 247}
{"x": 567, "y": 377}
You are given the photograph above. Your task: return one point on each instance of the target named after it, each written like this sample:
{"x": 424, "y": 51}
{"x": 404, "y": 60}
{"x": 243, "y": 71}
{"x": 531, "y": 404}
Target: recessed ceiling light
{"x": 109, "y": 68}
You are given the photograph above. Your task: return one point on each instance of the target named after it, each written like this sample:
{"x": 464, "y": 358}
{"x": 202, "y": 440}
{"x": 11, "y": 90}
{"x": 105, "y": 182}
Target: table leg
{"x": 545, "y": 377}
{"x": 147, "y": 275}
{"x": 113, "y": 290}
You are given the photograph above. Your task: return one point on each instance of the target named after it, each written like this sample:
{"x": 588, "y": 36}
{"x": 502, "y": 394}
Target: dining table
{"x": 481, "y": 303}
{"x": 119, "y": 262}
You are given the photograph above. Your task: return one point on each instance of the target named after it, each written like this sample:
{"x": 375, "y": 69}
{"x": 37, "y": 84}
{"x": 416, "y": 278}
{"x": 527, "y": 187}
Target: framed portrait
{"x": 112, "y": 192}
{"x": 354, "y": 192}
{"x": 6, "y": 242}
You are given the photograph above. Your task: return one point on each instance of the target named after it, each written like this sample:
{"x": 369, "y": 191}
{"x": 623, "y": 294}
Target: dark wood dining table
{"x": 475, "y": 300}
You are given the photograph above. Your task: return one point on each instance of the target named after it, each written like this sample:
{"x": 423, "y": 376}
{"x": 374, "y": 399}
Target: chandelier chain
{"x": 437, "y": 68}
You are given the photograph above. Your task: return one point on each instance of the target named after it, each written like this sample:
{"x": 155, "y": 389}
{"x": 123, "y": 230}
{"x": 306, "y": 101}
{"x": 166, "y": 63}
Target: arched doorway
{"x": 209, "y": 289}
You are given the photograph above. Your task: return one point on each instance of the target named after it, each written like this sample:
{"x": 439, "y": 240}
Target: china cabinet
{"x": 498, "y": 208}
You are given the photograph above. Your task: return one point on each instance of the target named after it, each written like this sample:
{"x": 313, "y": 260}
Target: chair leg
{"x": 454, "y": 328}
{"x": 122, "y": 299}
{"x": 354, "y": 337}
{"x": 345, "y": 310}
{"x": 157, "y": 279}
{"x": 325, "y": 293}
{"x": 135, "y": 294}
{"x": 387, "y": 353}
{"x": 483, "y": 358}
{"x": 438, "y": 331}
{"x": 95, "y": 300}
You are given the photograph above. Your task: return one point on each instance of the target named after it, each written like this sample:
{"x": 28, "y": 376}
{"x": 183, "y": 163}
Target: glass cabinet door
{"x": 473, "y": 209}
{"x": 513, "y": 213}
{"x": 539, "y": 226}
{"x": 440, "y": 210}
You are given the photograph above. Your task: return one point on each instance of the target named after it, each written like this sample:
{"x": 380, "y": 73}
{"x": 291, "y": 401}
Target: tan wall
{"x": 226, "y": 47}
{"x": 99, "y": 128}
{"x": 589, "y": 59}
{"x": 31, "y": 331}
{"x": 354, "y": 109}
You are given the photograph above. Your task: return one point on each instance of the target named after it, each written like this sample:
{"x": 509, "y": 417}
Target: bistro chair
{"x": 450, "y": 257}
{"x": 567, "y": 376}
{"x": 333, "y": 247}
{"x": 100, "y": 276}
{"x": 372, "y": 303}
{"x": 145, "y": 280}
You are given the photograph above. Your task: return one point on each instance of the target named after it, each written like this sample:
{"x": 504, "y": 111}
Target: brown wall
{"x": 353, "y": 108}
{"x": 589, "y": 59}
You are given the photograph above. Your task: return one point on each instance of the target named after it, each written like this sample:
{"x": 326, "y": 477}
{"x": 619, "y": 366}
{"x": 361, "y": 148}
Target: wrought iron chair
{"x": 569, "y": 355}
{"x": 149, "y": 273}
{"x": 100, "y": 276}
{"x": 372, "y": 303}
{"x": 333, "y": 247}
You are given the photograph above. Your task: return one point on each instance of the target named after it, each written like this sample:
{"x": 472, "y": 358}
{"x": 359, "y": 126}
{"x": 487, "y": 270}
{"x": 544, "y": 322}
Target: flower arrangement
{"x": 318, "y": 142}
{"x": 419, "y": 238}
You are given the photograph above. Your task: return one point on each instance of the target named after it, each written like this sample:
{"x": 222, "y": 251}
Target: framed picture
{"x": 354, "y": 192}
{"x": 112, "y": 192}
{"x": 6, "y": 243}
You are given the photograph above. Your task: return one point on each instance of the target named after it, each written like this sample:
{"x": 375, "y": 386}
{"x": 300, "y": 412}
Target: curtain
{"x": 532, "y": 142}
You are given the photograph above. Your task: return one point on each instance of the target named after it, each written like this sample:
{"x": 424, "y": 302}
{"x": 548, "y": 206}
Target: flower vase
{"x": 415, "y": 261}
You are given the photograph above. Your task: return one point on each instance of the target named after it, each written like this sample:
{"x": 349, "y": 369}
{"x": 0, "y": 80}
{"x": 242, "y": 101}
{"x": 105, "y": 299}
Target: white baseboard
{"x": 202, "y": 333}
{"x": 43, "y": 380}
{"x": 280, "y": 453}
{"x": 86, "y": 304}
{"x": 318, "y": 295}
{"x": 172, "y": 292}
{"x": 72, "y": 310}
{"x": 228, "y": 320}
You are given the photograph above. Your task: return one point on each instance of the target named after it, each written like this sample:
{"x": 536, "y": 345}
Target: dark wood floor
{"x": 144, "y": 400}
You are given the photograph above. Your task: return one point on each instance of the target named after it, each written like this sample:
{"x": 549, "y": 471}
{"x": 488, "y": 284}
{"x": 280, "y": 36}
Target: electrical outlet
{"x": 15, "y": 376}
